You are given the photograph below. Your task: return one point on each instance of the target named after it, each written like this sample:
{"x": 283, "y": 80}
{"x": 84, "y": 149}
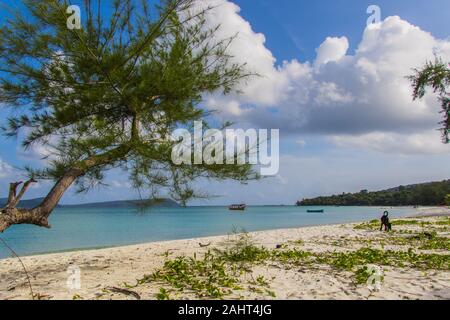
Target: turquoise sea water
{"x": 93, "y": 228}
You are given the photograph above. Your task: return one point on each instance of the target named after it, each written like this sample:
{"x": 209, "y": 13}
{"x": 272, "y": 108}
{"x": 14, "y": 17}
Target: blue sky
{"x": 346, "y": 122}
{"x": 297, "y": 27}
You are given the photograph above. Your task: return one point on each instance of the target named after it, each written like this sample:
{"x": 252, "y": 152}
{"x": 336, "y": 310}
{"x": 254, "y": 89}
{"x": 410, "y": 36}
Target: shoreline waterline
{"x": 422, "y": 212}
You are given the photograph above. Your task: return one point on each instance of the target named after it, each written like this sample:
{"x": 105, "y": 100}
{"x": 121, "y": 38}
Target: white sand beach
{"x": 104, "y": 271}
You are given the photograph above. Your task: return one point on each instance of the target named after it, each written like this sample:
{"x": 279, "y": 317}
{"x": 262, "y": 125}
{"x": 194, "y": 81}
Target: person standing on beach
{"x": 385, "y": 222}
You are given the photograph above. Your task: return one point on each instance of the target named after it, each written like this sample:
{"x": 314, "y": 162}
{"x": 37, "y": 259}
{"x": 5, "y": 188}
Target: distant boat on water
{"x": 237, "y": 207}
{"x": 316, "y": 211}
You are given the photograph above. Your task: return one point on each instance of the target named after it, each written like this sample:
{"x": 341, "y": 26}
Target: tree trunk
{"x": 38, "y": 216}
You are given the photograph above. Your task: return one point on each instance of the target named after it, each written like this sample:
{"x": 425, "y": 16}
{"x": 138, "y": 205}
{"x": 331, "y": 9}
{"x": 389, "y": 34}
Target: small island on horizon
{"x": 153, "y": 203}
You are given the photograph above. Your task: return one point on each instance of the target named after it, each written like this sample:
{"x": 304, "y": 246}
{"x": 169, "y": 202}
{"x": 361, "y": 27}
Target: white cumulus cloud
{"x": 339, "y": 94}
{"x": 332, "y": 50}
{"x": 5, "y": 169}
{"x": 422, "y": 143}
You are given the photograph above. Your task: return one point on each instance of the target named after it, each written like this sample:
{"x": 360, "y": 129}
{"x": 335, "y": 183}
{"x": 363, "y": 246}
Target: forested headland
{"x": 424, "y": 194}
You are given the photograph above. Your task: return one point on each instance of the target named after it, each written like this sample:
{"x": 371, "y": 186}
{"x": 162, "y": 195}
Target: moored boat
{"x": 316, "y": 211}
{"x": 237, "y": 207}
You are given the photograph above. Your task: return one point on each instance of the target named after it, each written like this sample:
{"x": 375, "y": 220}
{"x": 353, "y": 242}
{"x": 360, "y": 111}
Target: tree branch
{"x": 12, "y": 192}
{"x": 13, "y": 198}
{"x": 24, "y": 189}
{"x": 39, "y": 215}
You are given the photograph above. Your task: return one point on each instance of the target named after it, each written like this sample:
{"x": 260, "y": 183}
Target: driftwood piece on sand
{"x": 125, "y": 292}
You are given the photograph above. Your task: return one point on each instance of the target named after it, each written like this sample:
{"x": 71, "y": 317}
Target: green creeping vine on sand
{"x": 375, "y": 224}
{"x": 218, "y": 273}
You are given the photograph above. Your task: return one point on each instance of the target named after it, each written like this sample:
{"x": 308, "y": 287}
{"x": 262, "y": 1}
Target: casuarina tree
{"x": 435, "y": 75}
{"x": 108, "y": 95}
